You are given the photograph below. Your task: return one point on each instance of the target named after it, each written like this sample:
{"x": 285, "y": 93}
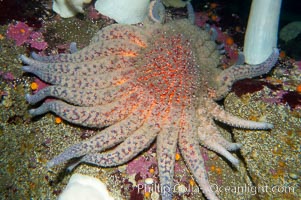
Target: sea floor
{"x": 270, "y": 160}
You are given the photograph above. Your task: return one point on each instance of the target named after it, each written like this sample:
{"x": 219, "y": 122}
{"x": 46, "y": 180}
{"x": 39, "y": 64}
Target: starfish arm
{"x": 213, "y": 135}
{"x": 121, "y": 32}
{"x": 221, "y": 115}
{"x": 237, "y": 72}
{"x": 230, "y": 146}
{"x": 216, "y": 147}
{"x": 35, "y": 56}
{"x": 107, "y": 138}
{"x": 104, "y": 49}
{"x": 209, "y": 132}
{"x": 98, "y": 116}
{"x": 95, "y": 81}
{"x": 87, "y": 68}
{"x": 81, "y": 97}
{"x": 213, "y": 141}
{"x": 190, "y": 150}
{"x": 94, "y": 51}
{"x": 134, "y": 144}
{"x": 49, "y": 59}
{"x": 166, "y": 150}
{"x": 73, "y": 47}
{"x": 190, "y": 11}
{"x": 115, "y": 32}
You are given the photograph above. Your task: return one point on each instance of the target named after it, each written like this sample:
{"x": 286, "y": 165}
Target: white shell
{"x": 82, "y": 186}
{"x": 149, "y": 181}
{"x": 123, "y": 11}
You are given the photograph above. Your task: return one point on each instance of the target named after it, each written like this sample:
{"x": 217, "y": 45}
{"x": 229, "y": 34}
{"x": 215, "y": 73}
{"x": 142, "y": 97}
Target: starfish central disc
{"x": 169, "y": 71}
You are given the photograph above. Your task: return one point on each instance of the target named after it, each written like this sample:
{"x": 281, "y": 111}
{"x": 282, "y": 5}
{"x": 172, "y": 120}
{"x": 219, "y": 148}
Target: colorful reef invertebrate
{"x": 149, "y": 82}
{"x": 21, "y": 33}
{"x": 36, "y": 40}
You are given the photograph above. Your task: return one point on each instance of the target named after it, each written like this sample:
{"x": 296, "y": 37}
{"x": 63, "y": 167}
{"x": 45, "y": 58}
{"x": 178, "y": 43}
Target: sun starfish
{"x": 145, "y": 83}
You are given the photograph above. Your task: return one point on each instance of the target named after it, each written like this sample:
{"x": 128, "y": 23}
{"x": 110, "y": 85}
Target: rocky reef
{"x": 270, "y": 166}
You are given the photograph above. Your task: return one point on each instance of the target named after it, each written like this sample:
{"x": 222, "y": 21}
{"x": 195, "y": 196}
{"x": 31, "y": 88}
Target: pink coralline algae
{"x": 201, "y": 19}
{"x": 298, "y": 64}
{"x": 36, "y": 40}
{"x": 8, "y": 76}
{"x": 21, "y": 33}
{"x": 142, "y": 166}
{"x": 93, "y": 14}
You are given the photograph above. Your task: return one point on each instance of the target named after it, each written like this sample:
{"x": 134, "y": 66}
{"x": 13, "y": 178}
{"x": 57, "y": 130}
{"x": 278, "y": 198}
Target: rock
{"x": 271, "y": 157}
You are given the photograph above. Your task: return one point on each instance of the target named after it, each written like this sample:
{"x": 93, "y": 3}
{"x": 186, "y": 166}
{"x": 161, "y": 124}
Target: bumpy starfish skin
{"x": 145, "y": 83}
{"x": 241, "y": 71}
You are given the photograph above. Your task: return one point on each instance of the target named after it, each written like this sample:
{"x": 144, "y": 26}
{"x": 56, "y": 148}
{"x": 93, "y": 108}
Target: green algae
{"x": 175, "y": 3}
{"x": 65, "y": 31}
{"x": 9, "y": 61}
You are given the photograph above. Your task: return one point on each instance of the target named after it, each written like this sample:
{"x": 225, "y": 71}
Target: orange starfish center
{"x": 169, "y": 71}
